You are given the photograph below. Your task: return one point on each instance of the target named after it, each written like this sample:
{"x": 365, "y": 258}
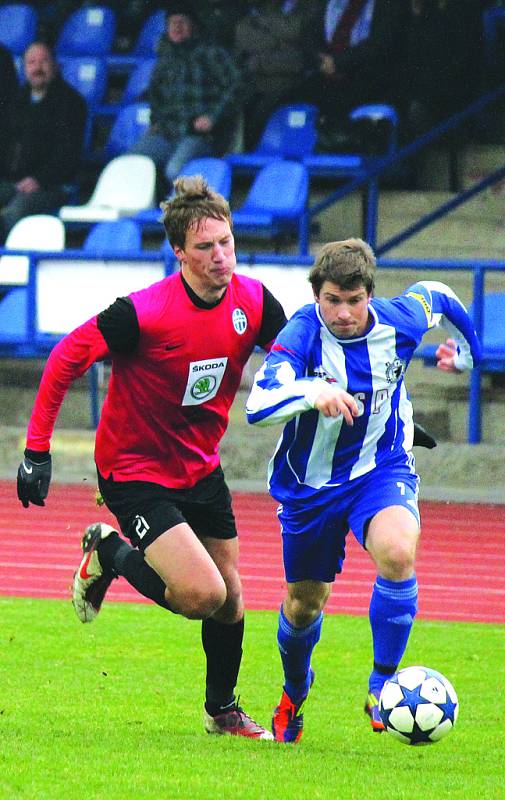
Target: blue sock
{"x": 393, "y": 607}
{"x": 296, "y": 646}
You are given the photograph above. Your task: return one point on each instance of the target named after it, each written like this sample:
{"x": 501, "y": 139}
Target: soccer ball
{"x": 418, "y": 706}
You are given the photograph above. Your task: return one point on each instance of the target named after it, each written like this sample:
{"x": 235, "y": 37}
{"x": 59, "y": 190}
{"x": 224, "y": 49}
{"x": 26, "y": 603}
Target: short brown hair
{"x": 193, "y": 201}
{"x": 349, "y": 264}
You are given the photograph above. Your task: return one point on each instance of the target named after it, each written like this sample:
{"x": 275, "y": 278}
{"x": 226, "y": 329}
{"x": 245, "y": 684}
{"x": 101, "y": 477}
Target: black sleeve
{"x": 119, "y": 326}
{"x": 273, "y": 320}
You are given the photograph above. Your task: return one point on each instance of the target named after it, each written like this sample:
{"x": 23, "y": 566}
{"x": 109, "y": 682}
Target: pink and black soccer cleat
{"x": 234, "y": 722}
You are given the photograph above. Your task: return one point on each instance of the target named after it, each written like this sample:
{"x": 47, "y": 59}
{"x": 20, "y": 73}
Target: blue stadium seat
{"x": 138, "y": 81}
{"x": 144, "y": 47}
{"x": 276, "y": 202}
{"x": 152, "y": 29}
{"x": 135, "y": 87}
{"x": 18, "y": 26}
{"x": 493, "y": 338}
{"x": 131, "y": 122}
{"x": 89, "y": 31}
{"x": 354, "y": 165}
{"x": 290, "y": 134}
{"x": 114, "y": 236}
{"x": 217, "y": 173}
{"x": 87, "y": 74}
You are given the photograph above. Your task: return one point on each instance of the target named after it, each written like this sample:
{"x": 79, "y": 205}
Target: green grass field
{"x": 113, "y": 711}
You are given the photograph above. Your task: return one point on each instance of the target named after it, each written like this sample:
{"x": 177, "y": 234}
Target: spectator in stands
{"x": 270, "y": 48}
{"x": 357, "y": 42}
{"x": 44, "y": 139}
{"x": 440, "y": 56}
{"x": 193, "y": 94}
{"x": 9, "y": 79}
{"x": 221, "y": 18}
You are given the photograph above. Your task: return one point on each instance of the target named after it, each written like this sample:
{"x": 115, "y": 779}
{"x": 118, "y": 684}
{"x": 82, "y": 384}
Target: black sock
{"x": 121, "y": 558}
{"x": 223, "y": 648}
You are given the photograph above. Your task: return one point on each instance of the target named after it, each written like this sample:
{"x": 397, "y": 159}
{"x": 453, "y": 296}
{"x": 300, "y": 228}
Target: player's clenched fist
{"x": 332, "y": 402}
{"x": 34, "y": 477}
{"x": 445, "y": 355}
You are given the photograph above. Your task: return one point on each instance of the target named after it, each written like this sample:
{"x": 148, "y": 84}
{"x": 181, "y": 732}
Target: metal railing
{"x": 37, "y": 344}
{"x": 375, "y": 168}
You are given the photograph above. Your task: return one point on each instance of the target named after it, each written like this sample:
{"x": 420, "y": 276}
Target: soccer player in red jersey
{"x": 177, "y": 349}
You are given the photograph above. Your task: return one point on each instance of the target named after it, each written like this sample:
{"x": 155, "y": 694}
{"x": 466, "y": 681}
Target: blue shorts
{"x": 314, "y": 532}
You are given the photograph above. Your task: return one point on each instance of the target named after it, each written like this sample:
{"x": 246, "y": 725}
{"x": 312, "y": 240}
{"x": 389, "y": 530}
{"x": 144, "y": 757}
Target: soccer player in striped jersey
{"x": 335, "y": 377}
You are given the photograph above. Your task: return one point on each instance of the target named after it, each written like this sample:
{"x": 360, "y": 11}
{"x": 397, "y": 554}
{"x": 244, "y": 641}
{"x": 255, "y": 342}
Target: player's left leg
{"x": 391, "y": 541}
{"x": 222, "y": 636}
{"x": 384, "y": 518}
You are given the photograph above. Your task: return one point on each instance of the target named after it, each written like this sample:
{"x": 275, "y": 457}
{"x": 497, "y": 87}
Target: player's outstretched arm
{"x": 68, "y": 360}
{"x": 444, "y": 308}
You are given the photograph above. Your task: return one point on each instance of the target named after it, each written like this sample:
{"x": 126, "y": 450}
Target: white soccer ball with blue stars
{"x": 418, "y": 705}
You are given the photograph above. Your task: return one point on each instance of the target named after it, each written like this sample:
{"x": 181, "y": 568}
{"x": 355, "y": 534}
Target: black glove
{"x": 422, "y": 438}
{"x": 34, "y": 477}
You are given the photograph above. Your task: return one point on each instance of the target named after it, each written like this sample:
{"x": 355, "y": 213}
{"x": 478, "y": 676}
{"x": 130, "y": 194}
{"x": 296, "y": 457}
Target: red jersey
{"x": 169, "y": 397}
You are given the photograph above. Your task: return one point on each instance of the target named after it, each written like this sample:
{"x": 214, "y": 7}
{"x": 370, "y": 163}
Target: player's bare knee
{"x": 302, "y": 610}
{"x": 202, "y": 602}
{"x": 397, "y": 563}
{"x": 232, "y": 609}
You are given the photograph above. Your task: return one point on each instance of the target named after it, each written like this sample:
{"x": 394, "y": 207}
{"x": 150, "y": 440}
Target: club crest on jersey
{"x": 395, "y": 369}
{"x": 204, "y": 380}
{"x": 239, "y": 320}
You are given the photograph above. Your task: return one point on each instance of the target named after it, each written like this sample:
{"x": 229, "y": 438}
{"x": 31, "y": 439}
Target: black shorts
{"x": 145, "y": 510}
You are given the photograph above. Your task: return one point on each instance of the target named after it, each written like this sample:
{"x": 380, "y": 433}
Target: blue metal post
{"x": 31, "y": 300}
{"x": 94, "y": 401}
{"x": 304, "y": 234}
{"x": 372, "y": 203}
{"x": 474, "y": 396}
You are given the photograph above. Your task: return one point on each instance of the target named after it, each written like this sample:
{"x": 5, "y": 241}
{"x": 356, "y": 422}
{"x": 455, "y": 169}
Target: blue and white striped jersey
{"x": 315, "y": 451}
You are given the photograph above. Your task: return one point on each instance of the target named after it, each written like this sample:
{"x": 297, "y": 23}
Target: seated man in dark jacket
{"x": 44, "y": 140}
{"x": 194, "y": 95}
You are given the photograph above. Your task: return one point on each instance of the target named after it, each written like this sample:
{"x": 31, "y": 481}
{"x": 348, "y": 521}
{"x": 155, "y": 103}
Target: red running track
{"x": 461, "y": 563}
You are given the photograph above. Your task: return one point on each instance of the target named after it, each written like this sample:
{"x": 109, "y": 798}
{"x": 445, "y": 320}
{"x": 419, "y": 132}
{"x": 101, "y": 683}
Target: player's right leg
{"x": 169, "y": 554}
{"x": 195, "y": 587}
{"x": 313, "y": 538}
{"x": 177, "y": 559}
{"x": 300, "y": 621}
